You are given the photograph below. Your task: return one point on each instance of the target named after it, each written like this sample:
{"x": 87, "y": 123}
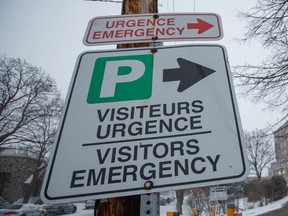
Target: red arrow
{"x": 201, "y": 25}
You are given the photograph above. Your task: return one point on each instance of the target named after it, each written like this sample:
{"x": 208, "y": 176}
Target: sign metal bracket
{"x": 150, "y": 204}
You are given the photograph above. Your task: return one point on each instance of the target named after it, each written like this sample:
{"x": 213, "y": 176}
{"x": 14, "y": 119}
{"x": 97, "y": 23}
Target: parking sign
{"x": 137, "y": 121}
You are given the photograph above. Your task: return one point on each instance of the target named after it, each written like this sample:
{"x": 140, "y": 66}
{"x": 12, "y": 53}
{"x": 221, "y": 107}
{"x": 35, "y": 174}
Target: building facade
{"x": 16, "y": 166}
{"x": 280, "y": 167}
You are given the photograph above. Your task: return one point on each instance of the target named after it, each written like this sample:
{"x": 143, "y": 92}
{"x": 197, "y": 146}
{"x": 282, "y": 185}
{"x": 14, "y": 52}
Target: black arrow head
{"x": 191, "y": 73}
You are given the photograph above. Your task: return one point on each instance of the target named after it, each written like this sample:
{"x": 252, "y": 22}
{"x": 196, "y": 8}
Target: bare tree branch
{"x": 24, "y": 91}
{"x": 260, "y": 151}
{"x": 30, "y": 108}
{"x": 267, "y": 82}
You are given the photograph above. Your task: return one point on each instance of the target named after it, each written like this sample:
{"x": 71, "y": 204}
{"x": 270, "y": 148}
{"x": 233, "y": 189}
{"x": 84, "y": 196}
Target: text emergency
{"x": 147, "y": 27}
{"x": 132, "y": 28}
{"x": 153, "y": 27}
{"x": 117, "y": 161}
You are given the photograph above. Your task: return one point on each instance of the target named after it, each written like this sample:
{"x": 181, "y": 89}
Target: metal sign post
{"x": 150, "y": 204}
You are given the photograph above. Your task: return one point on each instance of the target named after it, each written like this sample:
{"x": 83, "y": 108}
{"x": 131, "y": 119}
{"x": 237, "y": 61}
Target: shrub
{"x": 279, "y": 187}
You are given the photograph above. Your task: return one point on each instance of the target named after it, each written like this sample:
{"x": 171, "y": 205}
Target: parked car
{"x": 89, "y": 204}
{"x": 60, "y": 208}
{"x": 22, "y": 210}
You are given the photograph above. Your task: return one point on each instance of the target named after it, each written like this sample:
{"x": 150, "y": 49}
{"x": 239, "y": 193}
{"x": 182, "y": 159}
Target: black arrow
{"x": 188, "y": 74}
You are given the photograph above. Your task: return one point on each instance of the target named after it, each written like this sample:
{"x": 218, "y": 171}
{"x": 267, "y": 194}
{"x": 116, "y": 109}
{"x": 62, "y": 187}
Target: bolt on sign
{"x": 153, "y": 28}
{"x": 146, "y": 120}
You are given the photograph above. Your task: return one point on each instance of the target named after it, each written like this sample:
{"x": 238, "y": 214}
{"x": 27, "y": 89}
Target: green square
{"x": 121, "y": 78}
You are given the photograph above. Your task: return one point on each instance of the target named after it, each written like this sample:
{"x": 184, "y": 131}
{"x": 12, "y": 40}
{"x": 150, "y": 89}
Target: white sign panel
{"x": 218, "y": 193}
{"x": 152, "y": 28}
{"x": 137, "y": 121}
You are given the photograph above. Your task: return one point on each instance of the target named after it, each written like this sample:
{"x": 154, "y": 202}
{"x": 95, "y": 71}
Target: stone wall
{"x": 15, "y": 170}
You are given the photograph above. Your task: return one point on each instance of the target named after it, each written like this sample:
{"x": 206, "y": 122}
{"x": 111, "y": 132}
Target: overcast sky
{"x": 49, "y": 35}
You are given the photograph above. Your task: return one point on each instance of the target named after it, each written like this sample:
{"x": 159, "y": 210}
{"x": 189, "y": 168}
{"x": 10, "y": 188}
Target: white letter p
{"x": 111, "y": 76}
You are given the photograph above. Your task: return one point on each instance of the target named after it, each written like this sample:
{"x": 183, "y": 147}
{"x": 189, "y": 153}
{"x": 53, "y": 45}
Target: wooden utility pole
{"x": 138, "y": 7}
{"x": 128, "y": 206}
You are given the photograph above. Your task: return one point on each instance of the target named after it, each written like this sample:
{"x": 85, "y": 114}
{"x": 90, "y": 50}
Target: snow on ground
{"x": 270, "y": 207}
{"x": 81, "y": 211}
{"x": 250, "y": 212}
